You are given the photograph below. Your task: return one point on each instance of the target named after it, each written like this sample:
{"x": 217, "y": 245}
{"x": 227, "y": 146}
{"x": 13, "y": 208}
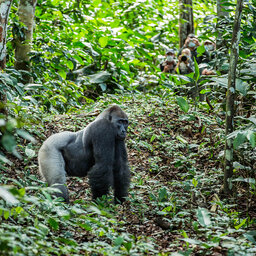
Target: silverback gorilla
{"x": 97, "y": 151}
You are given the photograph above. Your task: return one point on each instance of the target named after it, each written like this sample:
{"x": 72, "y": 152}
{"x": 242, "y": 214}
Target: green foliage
{"x": 82, "y": 52}
{"x": 183, "y": 104}
{"x": 185, "y": 165}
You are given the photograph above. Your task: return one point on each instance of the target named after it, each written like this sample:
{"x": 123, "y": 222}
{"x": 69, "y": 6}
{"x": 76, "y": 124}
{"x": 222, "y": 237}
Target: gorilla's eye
{"x": 123, "y": 121}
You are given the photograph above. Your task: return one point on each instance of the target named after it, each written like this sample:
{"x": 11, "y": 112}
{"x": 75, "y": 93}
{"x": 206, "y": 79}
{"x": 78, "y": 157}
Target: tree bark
{"x": 229, "y": 154}
{"x": 26, "y": 12}
{"x": 221, "y": 23}
{"x": 186, "y": 21}
{"x": 5, "y": 7}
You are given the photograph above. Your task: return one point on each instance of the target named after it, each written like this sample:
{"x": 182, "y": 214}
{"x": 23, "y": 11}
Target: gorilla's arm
{"x": 121, "y": 172}
{"x": 103, "y": 141}
{"x": 51, "y": 161}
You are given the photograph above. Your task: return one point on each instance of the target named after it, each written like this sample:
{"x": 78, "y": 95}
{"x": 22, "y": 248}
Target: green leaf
{"x": 251, "y": 136}
{"x": 30, "y": 153}
{"x": 22, "y": 191}
{"x": 191, "y": 241}
{"x": 8, "y": 142}
{"x": 62, "y": 73}
{"x": 25, "y": 135}
{"x": 247, "y": 180}
{"x": 103, "y": 86}
{"x": 43, "y": 228}
{"x": 19, "y": 209}
{"x": 33, "y": 86}
{"x": 251, "y": 235}
{"x": 241, "y": 224}
{"x": 118, "y": 241}
{"x": 85, "y": 226}
{"x": 181, "y": 139}
{"x": 128, "y": 246}
{"x": 67, "y": 241}
{"x": 183, "y": 104}
{"x": 203, "y": 217}
{"x": 153, "y": 138}
{"x": 60, "y": 97}
{"x": 242, "y": 87}
{"x": 222, "y": 81}
{"x": 103, "y": 41}
{"x": 6, "y": 214}
{"x": 79, "y": 59}
{"x": 70, "y": 64}
{"x": 205, "y": 91}
{"x": 253, "y": 140}
{"x": 194, "y": 182}
{"x": 163, "y": 195}
{"x": 95, "y": 210}
{"x": 99, "y": 77}
{"x": 7, "y": 196}
{"x": 252, "y": 119}
{"x": 200, "y": 50}
{"x": 5, "y": 160}
{"x": 53, "y": 223}
{"x": 197, "y": 71}
{"x": 239, "y": 140}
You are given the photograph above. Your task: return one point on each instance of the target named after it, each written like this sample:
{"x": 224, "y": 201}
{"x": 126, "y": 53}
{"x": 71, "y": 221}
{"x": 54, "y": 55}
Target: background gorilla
{"x": 98, "y": 150}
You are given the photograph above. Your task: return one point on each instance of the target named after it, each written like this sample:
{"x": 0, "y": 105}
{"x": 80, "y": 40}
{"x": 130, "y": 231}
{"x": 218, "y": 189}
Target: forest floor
{"x": 175, "y": 204}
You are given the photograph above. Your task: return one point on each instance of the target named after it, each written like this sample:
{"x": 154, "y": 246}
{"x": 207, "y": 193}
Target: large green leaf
{"x": 99, "y": 77}
{"x": 118, "y": 241}
{"x": 251, "y": 136}
{"x": 197, "y": 71}
{"x": 183, "y": 104}
{"x": 53, "y": 223}
{"x": 239, "y": 140}
{"x": 203, "y": 217}
{"x": 103, "y": 41}
{"x": 242, "y": 86}
{"x": 62, "y": 73}
{"x": 222, "y": 81}
{"x": 200, "y": 50}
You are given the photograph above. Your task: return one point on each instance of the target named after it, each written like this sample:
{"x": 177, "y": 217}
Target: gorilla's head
{"x": 120, "y": 120}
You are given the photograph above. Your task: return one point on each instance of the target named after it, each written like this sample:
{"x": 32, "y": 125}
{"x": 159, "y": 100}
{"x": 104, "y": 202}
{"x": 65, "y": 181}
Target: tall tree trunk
{"x": 5, "y": 7}
{"x": 186, "y": 21}
{"x": 221, "y": 23}
{"x": 26, "y": 12}
{"x": 229, "y": 154}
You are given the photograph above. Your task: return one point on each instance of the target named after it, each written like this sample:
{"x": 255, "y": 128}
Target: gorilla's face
{"x": 121, "y": 125}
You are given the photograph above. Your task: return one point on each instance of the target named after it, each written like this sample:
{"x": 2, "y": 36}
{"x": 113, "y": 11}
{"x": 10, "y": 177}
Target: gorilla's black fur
{"x": 97, "y": 151}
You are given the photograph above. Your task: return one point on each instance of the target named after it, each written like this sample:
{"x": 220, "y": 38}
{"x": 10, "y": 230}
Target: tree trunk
{"x": 5, "y": 7}
{"x": 186, "y": 21}
{"x": 228, "y": 156}
{"x": 221, "y": 23}
{"x": 26, "y": 12}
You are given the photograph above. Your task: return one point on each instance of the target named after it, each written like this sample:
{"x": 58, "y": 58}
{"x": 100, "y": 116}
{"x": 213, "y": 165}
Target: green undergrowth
{"x": 175, "y": 205}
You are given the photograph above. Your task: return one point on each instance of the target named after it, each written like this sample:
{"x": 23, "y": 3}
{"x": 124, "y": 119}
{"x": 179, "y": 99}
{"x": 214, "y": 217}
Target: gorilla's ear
{"x": 110, "y": 117}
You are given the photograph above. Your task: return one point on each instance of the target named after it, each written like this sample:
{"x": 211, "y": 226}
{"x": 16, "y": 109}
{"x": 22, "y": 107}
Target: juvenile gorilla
{"x": 97, "y": 151}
